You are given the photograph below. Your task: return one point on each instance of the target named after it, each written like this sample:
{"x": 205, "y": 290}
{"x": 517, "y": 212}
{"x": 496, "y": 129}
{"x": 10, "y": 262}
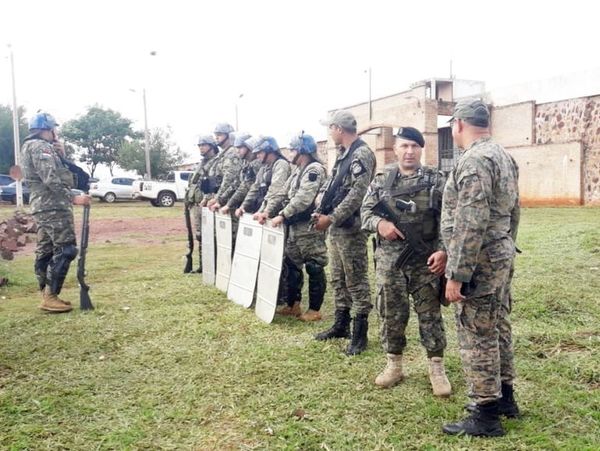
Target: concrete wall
{"x": 549, "y": 174}
{"x": 512, "y": 125}
{"x": 575, "y": 120}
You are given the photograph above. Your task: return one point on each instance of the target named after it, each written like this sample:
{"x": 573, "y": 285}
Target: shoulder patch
{"x": 357, "y": 168}
{"x": 313, "y": 176}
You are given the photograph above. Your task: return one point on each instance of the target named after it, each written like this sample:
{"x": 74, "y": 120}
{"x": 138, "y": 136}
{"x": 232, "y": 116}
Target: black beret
{"x": 411, "y": 134}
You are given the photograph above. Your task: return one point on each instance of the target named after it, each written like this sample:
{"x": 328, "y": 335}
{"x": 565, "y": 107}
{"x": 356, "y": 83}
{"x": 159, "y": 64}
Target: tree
{"x": 7, "y": 143}
{"x": 99, "y": 135}
{"x": 164, "y": 155}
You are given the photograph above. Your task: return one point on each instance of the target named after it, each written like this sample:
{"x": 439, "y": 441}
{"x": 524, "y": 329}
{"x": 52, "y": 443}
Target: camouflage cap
{"x": 342, "y": 118}
{"x": 474, "y": 111}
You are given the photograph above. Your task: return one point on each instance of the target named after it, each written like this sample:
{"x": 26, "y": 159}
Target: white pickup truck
{"x": 163, "y": 193}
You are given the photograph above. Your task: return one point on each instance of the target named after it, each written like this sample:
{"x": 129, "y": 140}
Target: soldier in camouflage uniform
{"x": 479, "y": 219}
{"x": 339, "y": 211}
{"x": 199, "y": 185}
{"x": 227, "y": 170}
{"x": 50, "y": 183}
{"x": 304, "y": 247}
{"x": 414, "y": 194}
{"x": 270, "y": 179}
{"x": 250, "y": 167}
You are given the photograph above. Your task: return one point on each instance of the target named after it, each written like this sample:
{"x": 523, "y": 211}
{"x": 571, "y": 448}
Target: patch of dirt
{"x": 133, "y": 230}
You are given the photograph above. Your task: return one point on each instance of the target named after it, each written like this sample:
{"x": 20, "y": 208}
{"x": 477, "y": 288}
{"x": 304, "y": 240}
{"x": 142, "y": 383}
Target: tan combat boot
{"x": 52, "y": 303}
{"x": 291, "y": 311}
{"x": 310, "y": 315}
{"x": 437, "y": 376}
{"x": 392, "y": 373}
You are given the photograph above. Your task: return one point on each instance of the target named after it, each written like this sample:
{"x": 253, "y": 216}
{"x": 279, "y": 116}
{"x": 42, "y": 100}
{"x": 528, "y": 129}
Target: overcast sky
{"x": 292, "y": 61}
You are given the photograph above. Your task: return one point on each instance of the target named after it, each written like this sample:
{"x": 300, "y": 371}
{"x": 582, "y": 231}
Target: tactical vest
{"x": 420, "y": 189}
{"x": 336, "y": 191}
{"x": 248, "y": 173}
{"x": 210, "y": 184}
{"x": 305, "y": 215}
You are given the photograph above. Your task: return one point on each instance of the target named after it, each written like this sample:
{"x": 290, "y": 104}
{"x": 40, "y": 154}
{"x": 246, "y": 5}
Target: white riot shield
{"x": 208, "y": 246}
{"x": 245, "y": 261}
{"x": 224, "y": 244}
{"x": 271, "y": 260}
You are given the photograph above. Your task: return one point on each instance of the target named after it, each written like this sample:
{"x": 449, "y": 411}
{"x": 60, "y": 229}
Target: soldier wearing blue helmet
{"x": 305, "y": 247}
{"x": 50, "y": 182}
{"x": 244, "y": 144}
{"x": 270, "y": 179}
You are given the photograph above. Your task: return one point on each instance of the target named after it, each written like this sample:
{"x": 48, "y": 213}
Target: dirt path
{"x": 132, "y": 230}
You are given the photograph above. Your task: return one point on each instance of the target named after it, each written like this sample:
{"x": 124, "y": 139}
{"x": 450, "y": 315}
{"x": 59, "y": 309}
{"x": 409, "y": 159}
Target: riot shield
{"x": 208, "y": 246}
{"x": 271, "y": 260}
{"x": 245, "y": 261}
{"x": 224, "y": 248}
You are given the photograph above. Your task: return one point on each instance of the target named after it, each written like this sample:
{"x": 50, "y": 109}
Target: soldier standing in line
{"x": 479, "y": 220}
{"x": 250, "y": 167}
{"x": 413, "y": 195}
{"x": 293, "y": 206}
{"x": 50, "y": 183}
{"x": 270, "y": 179}
{"x": 339, "y": 211}
{"x": 198, "y": 185}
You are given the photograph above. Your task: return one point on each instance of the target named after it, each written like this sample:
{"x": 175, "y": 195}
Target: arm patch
{"x": 312, "y": 176}
{"x": 357, "y": 168}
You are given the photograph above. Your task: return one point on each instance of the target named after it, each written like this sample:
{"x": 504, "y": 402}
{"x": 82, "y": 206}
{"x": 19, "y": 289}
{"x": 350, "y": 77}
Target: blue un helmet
{"x": 266, "y": 144}
{"x": 241, "y": 138}
{"x": 207, "y": 139}
{"x": 251, "y": 143}
{"x": 303, "y": 144}
{"x": 42, "y": 121}
{"x": 223, "y": 128}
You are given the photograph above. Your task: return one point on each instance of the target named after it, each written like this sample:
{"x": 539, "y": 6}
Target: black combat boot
{"x": 507, "y": 405}
{"x": 340, "y": 328}
{"x": 484, "y": 421}
{"x": 359, "y": 335}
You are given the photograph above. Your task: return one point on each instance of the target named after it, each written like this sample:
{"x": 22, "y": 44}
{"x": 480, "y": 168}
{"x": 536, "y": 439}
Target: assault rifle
{"x": 85, "y": 303}
{"x": 416, "y": 246}
{"x": 190, "y": 234}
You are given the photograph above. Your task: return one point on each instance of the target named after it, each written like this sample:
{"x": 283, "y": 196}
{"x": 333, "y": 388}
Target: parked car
{"x": 163, "y": 193}
{"x": 113, "y": 189}
{"x": 8, "y": 193}
{"x": 5, "y": 180}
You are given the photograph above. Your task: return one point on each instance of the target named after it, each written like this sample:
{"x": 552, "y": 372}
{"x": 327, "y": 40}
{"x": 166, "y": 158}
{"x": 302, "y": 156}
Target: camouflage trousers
{"x": 349, "y": 271}
{"x": 395, "y": 287}
{"x": 484, "y": 332}
{"x": 505, "y": 342}
{"x": 55, "y": 231}
{"x": 305, "y": 249}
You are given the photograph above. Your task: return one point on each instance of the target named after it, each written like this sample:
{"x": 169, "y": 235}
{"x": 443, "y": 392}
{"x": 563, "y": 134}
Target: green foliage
{"x": 7, "y": 143}
{"x": 165, "y": 362}
{"x": 99, "y": 135}
{"x": 164, "y": 155}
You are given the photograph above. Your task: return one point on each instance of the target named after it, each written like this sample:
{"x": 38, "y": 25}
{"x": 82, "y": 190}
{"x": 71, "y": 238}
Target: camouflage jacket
{"x": 49, "y": 180}
{"x": 270, "y": 179}
{"x": 346, "y": 213}
{"x": 194, "y": 194}
{"x": 228, "y": 167}
{"x": 424, "y": 188}
{"x": 296, "y": 201}
{"x": 247, "y": 178}
{"x": 480, "y": 210}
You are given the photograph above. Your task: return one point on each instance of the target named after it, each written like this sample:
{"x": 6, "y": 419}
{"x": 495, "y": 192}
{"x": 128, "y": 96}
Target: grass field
{"x": 167, "y": 363}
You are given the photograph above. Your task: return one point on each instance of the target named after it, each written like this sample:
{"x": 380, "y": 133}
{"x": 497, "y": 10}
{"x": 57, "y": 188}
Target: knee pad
{"x": 313, "y": 269}
{"x": 69, "y": 252}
